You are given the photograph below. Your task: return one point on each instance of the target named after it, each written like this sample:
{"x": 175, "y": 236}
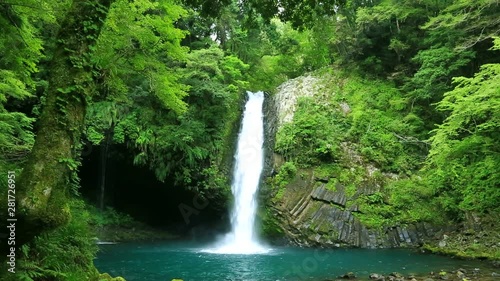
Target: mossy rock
{"x": 107, "y": 277}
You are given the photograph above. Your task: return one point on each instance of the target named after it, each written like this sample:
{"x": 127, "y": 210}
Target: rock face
{"x": 311, "y": 212}
{"x": 270, "y": 129}
{"x": 312, "y": 215}
{"x": 285, "y": 100}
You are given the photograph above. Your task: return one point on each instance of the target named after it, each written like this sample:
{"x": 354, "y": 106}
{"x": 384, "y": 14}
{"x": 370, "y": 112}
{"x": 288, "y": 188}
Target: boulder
{"x": 107, "y": 277}
{"x": 460, "y": 275}
{"x": 396, "y": 274}
{"x": 348, "y": 275}
{"x": 377, "y": 277}
{"x": 443, "y": 275}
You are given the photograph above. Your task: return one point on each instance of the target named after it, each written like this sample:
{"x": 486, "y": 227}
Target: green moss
{"x": 481, "y": 245}
{"x": 324, "y": 228}
{"x": 107, "y": 277}
{"x": 281, "y": 192}
{"x": 286, "y": 173}
{"x": 270, "y": 226}
{"x": 331, "y": 185}
{"x": 327, "y": 170}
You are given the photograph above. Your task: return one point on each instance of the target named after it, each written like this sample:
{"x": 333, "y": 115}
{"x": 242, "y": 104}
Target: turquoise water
{"x": 166, "y": 260}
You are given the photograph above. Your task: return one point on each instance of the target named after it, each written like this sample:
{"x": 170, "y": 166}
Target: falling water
{"x": 249, "y": 162}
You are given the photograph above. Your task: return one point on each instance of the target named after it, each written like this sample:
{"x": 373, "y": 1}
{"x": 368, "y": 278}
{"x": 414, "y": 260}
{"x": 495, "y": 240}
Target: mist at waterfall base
{"x": 249, "y": 161}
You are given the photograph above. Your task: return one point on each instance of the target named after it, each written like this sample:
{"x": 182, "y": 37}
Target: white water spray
{"x": 249, "y": 162}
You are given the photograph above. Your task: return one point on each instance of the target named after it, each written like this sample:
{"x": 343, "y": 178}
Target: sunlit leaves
{"x": 477, "y": 19}
{"x": 16, "y": 136}
{"x": 465, "y": 148}
{"x": 21, "y": 48}
{"x": 474, "y": 105}
{"x": 436, "y": 67}
{"x": 178, "y": 145}
{"x": 138, "y": 42}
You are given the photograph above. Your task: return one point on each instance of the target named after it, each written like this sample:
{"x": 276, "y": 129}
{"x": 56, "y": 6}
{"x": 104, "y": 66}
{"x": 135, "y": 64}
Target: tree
{"x": 463, "y": 163}
{"x": 43, "y": 185}
{"x": 182, "y": 146}
{"x": 21, "y": 47}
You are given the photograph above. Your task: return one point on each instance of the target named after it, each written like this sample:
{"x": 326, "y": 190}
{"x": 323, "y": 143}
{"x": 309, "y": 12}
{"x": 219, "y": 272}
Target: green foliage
{"x": 186, "y": 147}
{"x": 286, "y": 173}
{"x": 414, "y": 200}
{"x": 66, "y": 253}
{"x": 215, "y": 177}
{"x": 376, "y": 216}
{"x": 437, "y": 66}
{"x": 312, "y": 136}
{"x": 108, "y": 217}
{"x": 136, "y": 48}
{"x": 16, "y": 136}
{"x": 386, "y": 135}
{"x": 461, "y": 172}
{"x": 278, "y": 55}
{"x": 275, "y": 50}
{"x": 101, "y": 118}
{"x": 73, "y": 181}
{"x": 368, "y": 113}
{"x": 151, "y": 115}
{"x": 472, "y": 21}
{"x": 464, "y": 157}
{"x": 177, "y": 110}
{"x": 270, "y": 226}
{"x": 21, "y": 48}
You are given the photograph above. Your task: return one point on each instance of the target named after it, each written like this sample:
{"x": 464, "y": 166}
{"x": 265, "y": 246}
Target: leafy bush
{"x": 286, "y": 173}
{"x": 376, "y": 122}
{"x": 109, "y": 217}
{"x": 313, "y": 136}
{"x": 415, "y": 201}
{"x": 463, "y": 164}
{"x": 66, "y": 253}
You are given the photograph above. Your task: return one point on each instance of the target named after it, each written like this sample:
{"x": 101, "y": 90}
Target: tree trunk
{"x": 43, "y": 185}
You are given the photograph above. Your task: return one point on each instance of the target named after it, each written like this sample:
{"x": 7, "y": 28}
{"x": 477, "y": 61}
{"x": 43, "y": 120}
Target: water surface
{"x": 164, "y": 261}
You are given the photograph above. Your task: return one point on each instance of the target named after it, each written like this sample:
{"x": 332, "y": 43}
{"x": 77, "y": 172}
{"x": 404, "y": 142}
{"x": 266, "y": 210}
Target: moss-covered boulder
{"x": 107, "y": 277}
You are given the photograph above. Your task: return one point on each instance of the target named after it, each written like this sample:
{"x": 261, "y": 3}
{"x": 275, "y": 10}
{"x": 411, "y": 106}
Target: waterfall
{"x": 249, "y": 161}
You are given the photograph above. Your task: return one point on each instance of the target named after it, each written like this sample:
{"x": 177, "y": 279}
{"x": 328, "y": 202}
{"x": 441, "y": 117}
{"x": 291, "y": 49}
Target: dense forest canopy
{"x": 165, "y": 80}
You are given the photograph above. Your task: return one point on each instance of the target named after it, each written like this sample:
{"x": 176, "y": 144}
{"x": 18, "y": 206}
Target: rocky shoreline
{"x": 454, "y": 275}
